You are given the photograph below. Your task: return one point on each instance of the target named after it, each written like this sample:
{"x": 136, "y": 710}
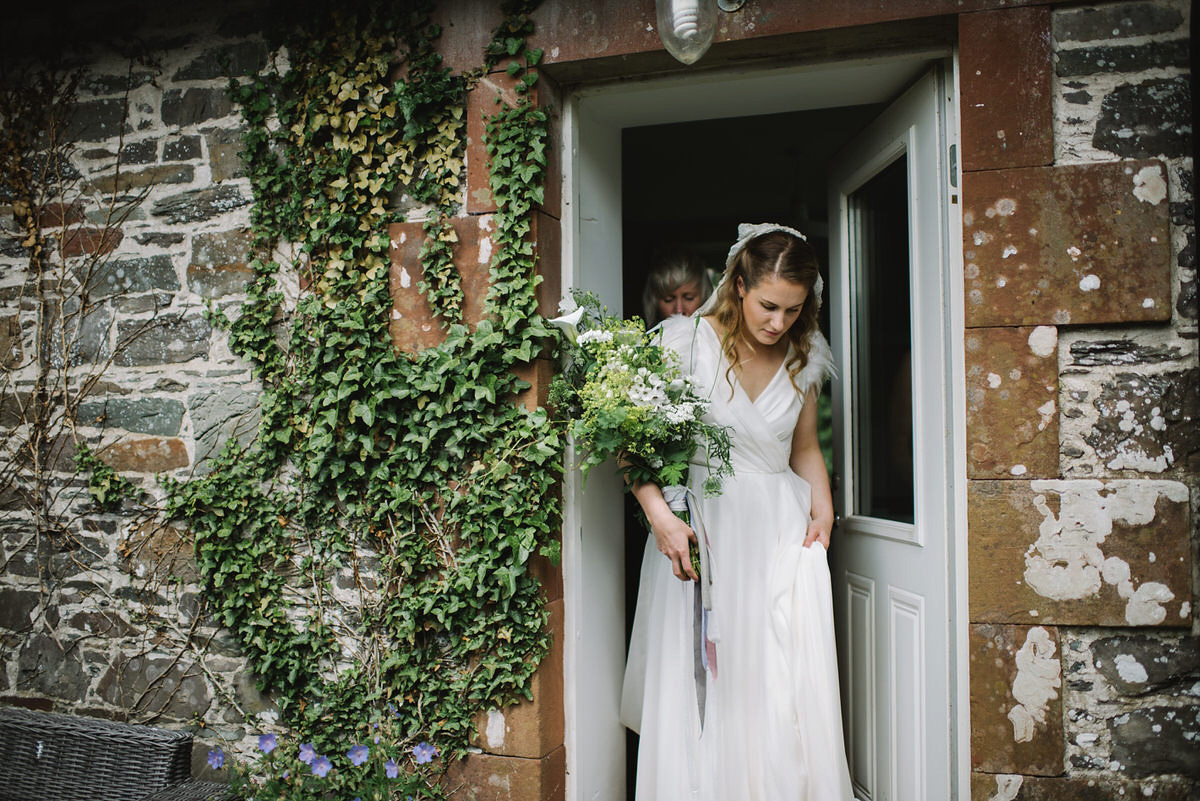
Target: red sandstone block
{"x": 1067, "y": 245}
{"x": 533, "y": 728}
{"x": 146, "y": 455}
{"x": 1109, "y": 787}
{"x": 492, "y": 94}
{"x": 1080, "y": 552}
{"x": 56, "y": 215}
{"x": 1016, "y": 700}
{"x": 1006, "y": 80}
{"x": 483, "y": 777}
{"x": 413, "y": 324}
{"x": 545, "y": 571}
{"x": 91, "y": 241}
{"x": 467, "y": 27}
{"x": 1012, "y": 402}
{"x": 547, "y": 238}
{"x": 11, "y": 348}
{"x": 539, "y": 373}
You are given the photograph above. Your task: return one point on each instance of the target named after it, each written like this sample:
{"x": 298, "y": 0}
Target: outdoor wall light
{"x": 686, "y": 27}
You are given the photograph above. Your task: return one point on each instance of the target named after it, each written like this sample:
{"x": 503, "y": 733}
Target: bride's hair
{"x": 776, "y": 254}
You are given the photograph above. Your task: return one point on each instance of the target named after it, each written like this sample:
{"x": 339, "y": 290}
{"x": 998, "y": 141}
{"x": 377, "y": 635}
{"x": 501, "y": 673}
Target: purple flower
{"x": 307, "y": 753}
{"x": 358, "y": 754}
{"x": 391, "y": 769}
{"x": 266, "y": 743}
{"x": 321, "y": 766}
{"x": 216, "y": 759}
{"x": 424, "y": 752}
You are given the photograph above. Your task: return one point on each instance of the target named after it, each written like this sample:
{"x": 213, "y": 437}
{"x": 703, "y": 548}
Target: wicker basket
{"x": 50, "y": 757}
{"x": 193, "y": 790}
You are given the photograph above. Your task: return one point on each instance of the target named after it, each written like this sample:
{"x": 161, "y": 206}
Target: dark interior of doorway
{"x": 686, "y": 187}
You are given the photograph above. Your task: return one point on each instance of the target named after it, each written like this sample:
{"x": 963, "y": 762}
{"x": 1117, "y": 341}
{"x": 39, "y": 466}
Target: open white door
{"x": 892, "y": 321}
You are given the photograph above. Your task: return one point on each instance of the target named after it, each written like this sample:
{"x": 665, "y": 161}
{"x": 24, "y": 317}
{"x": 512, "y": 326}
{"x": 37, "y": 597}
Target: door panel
{"x": 890, "y": 329}
{"x": 859, "y": 677}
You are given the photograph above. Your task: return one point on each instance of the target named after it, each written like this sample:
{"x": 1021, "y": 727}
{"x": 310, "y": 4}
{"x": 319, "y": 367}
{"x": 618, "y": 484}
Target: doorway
{"x": 679, "y": 163}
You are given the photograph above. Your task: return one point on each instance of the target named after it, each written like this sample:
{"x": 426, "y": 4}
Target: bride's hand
{"x": 672, "y": 536}
{"x": 818, "y": 531}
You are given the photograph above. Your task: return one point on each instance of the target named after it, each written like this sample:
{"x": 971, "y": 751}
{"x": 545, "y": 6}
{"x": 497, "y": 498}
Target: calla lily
{"x": 569, "y": 323}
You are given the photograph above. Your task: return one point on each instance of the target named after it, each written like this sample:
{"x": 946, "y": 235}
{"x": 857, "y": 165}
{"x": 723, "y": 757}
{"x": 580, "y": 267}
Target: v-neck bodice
{"x": 761, "y": 428}
{"x": 736, "y": 376}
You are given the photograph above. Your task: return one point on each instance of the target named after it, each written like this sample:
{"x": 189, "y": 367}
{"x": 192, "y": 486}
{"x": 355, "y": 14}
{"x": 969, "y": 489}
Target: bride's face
{"x": 770, "y": 308}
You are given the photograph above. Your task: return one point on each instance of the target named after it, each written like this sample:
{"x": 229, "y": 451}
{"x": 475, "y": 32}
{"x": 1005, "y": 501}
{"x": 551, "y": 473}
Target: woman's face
{"x": 770, "y": 308}
{"x": 683, "y": 299}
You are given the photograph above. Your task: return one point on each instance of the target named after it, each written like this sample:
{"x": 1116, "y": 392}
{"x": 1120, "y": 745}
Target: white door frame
{"x": 593, "y": 539}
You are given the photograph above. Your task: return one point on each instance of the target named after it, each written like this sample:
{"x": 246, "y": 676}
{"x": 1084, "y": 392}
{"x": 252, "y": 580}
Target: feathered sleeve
{"x": 820, "y": 364}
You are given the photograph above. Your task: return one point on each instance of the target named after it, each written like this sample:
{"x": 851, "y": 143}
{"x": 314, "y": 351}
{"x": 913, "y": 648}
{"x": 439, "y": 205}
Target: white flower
{"x": 569, "y": 323}
{"x": 567, "y": 305}
{"x": 594, "y": 336}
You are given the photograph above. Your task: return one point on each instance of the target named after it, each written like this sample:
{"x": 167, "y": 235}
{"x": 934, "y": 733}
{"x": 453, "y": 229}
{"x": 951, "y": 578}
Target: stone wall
{"x": 1082, "y": 341}
{"x": 105, "y": 619}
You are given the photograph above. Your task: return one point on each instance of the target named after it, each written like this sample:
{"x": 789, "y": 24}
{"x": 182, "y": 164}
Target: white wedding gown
{"x": 772, "y": 727}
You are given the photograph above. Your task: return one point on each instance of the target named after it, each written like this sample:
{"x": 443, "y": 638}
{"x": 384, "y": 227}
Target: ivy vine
{"x": 370, "y": 549}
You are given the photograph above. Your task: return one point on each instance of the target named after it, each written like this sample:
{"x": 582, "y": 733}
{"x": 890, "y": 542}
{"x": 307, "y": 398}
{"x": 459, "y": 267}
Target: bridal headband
{"x": 746, "y": 232}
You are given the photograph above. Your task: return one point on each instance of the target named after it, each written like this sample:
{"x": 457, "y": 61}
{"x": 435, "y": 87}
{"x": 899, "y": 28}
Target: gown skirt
{"x": 772, "y": 728}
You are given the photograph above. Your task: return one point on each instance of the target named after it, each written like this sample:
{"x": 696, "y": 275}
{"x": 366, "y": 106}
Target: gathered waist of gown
{"x": 741, "y": 468}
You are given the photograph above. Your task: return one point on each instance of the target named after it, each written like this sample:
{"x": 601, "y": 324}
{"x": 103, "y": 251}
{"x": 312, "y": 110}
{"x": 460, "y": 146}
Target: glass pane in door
{"x": 882, "y": 386}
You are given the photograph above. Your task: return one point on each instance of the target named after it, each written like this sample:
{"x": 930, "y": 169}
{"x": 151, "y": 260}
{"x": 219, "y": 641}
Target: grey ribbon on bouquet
{"x": 681, "y": 499}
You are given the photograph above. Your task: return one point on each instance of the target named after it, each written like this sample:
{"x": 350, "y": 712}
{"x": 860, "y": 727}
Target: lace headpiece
{"x": 746, "y": 232}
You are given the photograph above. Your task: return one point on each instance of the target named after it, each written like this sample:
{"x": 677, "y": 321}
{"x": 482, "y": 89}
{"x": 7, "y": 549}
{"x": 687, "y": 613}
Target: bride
{"x": 736, "y": 698}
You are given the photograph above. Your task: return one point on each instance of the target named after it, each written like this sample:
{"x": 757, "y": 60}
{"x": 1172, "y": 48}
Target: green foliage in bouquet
{"x": 627, "y": 399}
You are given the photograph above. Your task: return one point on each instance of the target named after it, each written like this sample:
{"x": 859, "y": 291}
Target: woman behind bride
{"x": 736, "y": 699}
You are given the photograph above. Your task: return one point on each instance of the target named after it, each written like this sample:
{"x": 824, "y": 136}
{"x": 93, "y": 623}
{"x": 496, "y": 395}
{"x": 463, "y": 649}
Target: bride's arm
{"x": 808, "y": 462}
{"x": 670, "y": 533}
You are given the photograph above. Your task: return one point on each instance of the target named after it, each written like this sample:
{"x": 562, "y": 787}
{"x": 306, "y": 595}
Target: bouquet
{"x": 627, "y": 399}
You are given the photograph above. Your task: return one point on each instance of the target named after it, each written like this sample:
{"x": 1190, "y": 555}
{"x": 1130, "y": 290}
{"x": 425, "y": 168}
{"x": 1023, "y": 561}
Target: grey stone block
{"x": 97, "y": 120}
{"x": 119, "y": 277}
{"x": 97, "y": 84}
{"x": 220, "y": 415}
{"x": 168, "y": 339}
{"x": 52, "y": 667}
{"x": 1148, "y": 119}
{"x": 1138, "y": 664}
{"x": 199, "y": 204}
{"x": 16, "y": 606}
{"x": 1157, "y": 739}
{"x": 1090, "y": 353}
{"x": 86, "y": 337}
{"x": 191, "y": 106}
{"x": 1114, "y": 21}
{"x": 1147, "y": 420}
{"x": 184, "y": 148}
{"x": 224, "y": 149}
{"x": 1122, "y": 58}
{"x": 156, "y": 683}
{"x": 160, "y": 240}
{"x": 234, "y": 60}
{"x": 144, "y": 152}
{"x": 161, "y": 416}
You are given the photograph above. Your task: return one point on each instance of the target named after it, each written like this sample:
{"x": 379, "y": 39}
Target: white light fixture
{"x": 686, "y": 27}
